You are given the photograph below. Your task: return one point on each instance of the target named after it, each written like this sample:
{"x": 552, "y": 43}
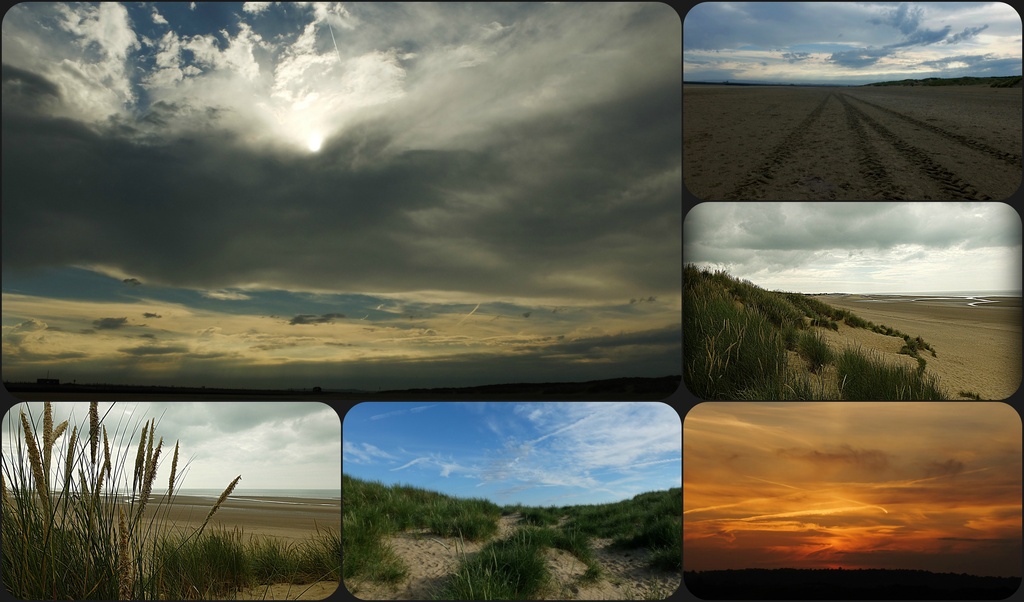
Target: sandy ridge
{"x": 431, "y": 559}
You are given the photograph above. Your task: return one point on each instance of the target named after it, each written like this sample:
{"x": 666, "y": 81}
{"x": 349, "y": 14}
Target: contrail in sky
{"x": 466, "y": 317}
{"x": 335, "y": 42}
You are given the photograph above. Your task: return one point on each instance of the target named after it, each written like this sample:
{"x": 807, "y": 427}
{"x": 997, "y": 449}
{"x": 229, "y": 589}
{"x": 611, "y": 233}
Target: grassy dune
{"x": 72, "y": 538}
{"x": 736, "y": 336}
{"x": 509, "y": 568}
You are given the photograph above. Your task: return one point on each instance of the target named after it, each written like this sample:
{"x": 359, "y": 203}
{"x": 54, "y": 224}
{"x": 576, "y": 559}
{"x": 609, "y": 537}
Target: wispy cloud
{"x": 400, "y": 412}
{"x": 351, "y": 452}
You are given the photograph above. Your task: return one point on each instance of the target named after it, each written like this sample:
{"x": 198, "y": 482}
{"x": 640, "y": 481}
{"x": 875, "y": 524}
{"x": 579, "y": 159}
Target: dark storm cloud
{"x": 27, "y": 91}
{"x": 132, "y": 281}
{"x": 372, "y": 211}
{"x": 314, "y": 319}
{"x": 150, "y": 315}
{"x": 110, "y": 323}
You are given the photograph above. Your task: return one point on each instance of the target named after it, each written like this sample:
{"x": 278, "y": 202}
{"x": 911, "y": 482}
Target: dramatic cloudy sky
{"x": 283, "y": 445}
{"x": 859, "y": 247}
{"x": 537, "y": 454}
{"x": 929, "y": 486}
{"x": 849, "y": 43}
{"x": 341, "y": 196}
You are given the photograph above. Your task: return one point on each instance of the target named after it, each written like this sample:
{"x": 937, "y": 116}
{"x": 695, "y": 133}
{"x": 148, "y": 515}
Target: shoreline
{"x": 287, "y": 518}
{"x": 978, "y": 347}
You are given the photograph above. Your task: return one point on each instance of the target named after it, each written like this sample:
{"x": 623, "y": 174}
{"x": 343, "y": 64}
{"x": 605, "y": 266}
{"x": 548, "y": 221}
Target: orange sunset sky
{"x": 930, "y": 486}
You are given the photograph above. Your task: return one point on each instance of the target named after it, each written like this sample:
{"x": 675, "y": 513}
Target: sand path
{"x": 432, "y": 559}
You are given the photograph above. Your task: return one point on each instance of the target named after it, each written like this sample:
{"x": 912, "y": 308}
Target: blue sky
{"x": 560, "y": 453}
{"x": 849, "y": 42}
{"x": 341, "y": 195}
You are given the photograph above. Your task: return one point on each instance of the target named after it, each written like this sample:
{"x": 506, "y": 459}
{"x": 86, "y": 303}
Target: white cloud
{"x": 256, "y": 7}
{"x": 351, "y": 452}
{"x": 158, "y": 18}
{"x": 224, "y": 295}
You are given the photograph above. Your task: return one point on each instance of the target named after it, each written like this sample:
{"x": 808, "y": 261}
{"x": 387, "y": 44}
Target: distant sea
{"x": 325, "y": 494}
{"x": 954, "y": 294}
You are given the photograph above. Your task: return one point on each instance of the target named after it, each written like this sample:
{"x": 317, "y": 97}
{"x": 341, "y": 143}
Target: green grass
{"x": 970, "y": 395}
{"x": 868, "y": 378}
{"x": 736, "y": 335}
{"x": 511, "y": 568}
{"x": 63, "y": 537}
{"x": 815, "y": 350}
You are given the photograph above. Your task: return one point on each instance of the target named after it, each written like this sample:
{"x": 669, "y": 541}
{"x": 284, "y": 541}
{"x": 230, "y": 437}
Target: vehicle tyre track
{"x": 949, "y": 181}
{"x": 871, "y": 166}
{"x": 1010, "y": 158}
{"x": 776, "y": 157}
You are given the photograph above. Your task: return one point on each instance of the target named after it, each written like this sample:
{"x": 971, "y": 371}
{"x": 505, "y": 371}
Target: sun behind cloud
{"x": 315, "y": 141}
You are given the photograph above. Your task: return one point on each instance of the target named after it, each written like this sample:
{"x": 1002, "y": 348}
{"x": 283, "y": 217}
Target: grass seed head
{"x": 174, "y": 470}
{"x": 69, "y": 463}
{"x": 139, "y": 458}
{"x": 220, "y": 501}
{"x": 57, "y": 432}
{"x": 94, "y": 429}
{"x": 106, "y": 452}
{"x": 147, "y": 486}
{"x": 124, "y": 569}
{"x": 47, "y": 435}
{"x": 36, "y": 462}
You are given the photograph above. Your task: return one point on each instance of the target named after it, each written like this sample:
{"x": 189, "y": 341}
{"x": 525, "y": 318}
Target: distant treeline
{"x": 993, "y": 82}
{"x": 838, "y": 584}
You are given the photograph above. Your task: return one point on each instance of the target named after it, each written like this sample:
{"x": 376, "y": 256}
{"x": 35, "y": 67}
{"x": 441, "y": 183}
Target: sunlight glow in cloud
{"x": 936, "y": 486}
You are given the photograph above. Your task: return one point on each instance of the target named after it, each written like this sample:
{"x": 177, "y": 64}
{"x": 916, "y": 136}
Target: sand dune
{"x": 978, "y": 347}
{"x": 431, "y": 559}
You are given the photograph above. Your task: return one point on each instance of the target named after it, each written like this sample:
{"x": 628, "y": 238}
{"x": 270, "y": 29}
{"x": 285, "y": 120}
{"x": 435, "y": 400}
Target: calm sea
{"x": 326, "y": 494}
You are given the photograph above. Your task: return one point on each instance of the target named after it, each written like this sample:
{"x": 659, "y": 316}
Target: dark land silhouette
{"x": 839, "y": 584}
{"x": 629, "y": 388}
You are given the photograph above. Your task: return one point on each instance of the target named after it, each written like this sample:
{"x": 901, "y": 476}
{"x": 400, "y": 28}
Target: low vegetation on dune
{"x": 993, "y": 82}
{"x": 87, "y": 533}
{"x": 506, "y": 568}
{"x": 738, "y": 339}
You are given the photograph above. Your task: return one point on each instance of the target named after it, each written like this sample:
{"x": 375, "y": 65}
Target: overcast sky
{"x": 341, "y": 196}
{"x": 542, "y": 454}
{"x": 859, "y": 247}
{"x": 283, "y": 445}
{"x": 927, "y": 486}
{"x": 849, "y": 43}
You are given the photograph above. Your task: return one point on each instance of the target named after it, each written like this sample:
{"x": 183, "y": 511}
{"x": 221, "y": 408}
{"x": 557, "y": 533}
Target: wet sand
{"x": 286, "y": 518}
{"x": 978, "y": 347}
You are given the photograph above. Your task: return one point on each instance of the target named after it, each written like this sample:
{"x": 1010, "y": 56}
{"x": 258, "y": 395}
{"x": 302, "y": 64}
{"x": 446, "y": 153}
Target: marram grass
{"x": 81, "y": 540}
{"x": 736, "y": 336}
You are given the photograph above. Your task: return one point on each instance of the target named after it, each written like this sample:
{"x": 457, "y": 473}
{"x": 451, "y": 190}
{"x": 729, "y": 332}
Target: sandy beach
{"x": 851, "y": 143}
{"x": 978, "y": 346}
{"x": 286, "y": 518}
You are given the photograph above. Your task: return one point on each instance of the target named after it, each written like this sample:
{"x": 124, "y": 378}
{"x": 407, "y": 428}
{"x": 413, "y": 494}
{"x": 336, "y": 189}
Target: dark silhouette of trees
{"x": 840, "y": 584}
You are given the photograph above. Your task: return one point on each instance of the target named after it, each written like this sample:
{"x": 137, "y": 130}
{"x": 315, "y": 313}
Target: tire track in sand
{"x": 1010, "y": 158}
{"x": 871, "y": 166}
{"x": 776, "y": 157}
{"x": 950, "y": 182}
